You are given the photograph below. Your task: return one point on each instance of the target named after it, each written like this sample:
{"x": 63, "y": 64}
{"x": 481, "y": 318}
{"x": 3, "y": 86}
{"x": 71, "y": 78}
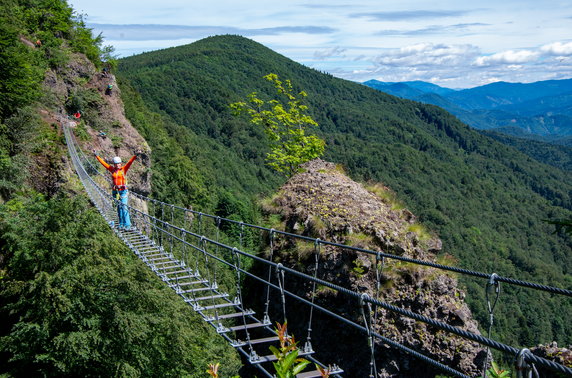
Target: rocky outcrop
{"x": 552, "y": 352}
{"x": 323, "y": 202}
{"x": 79, "y": 86}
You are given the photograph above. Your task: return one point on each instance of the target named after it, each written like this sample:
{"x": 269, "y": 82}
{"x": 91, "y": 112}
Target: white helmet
{"x": 117, "y": 160}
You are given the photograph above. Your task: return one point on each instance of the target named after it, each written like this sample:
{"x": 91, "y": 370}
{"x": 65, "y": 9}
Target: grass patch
{"x": 421, "y": 231}
{"x": 386, "y": 195}
{"x": 359, "y": 240}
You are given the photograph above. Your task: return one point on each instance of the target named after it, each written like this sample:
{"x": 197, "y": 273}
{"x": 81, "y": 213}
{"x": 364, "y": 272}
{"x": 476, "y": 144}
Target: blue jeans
{"x": 122, "y": 210}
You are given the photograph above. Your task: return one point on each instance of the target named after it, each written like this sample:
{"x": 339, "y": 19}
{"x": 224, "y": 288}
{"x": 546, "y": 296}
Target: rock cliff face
{"x": 78, "y": 86}
{"x": 323, "y": 202}
{"x": 560, "y": 355}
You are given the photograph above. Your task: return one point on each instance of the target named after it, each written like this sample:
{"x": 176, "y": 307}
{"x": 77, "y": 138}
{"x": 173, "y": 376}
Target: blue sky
{"x": 452, "y": 43}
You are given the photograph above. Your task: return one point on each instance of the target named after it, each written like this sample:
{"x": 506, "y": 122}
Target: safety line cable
{"x": 444, "y": 326}
{"x": 508, "y": 280}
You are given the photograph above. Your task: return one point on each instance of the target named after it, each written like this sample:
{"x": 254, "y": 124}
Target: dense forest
{"x": 487, "y": 201}
{"x": 559, "y": 156}
{"x": 74, "y": 301}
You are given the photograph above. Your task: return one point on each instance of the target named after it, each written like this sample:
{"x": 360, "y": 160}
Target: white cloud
{"x": 334, "y": 51}
{"x": 557, "y": 48}
{"x": 490, "y": 80}
{"x": 410, "y": 14}
{"x": 423, "y": 54}
{"x": 507, "y": 57}
{"x": 452, "y": 43}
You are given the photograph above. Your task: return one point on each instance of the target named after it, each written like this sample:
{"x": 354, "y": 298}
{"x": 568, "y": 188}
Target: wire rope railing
{"x": 184, "y": 242}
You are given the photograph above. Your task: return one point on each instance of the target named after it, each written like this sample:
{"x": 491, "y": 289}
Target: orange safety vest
{"x": 117, "y": 174}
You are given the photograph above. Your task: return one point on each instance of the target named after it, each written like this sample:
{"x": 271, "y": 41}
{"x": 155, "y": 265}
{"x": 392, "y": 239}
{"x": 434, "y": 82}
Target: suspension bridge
{"x": 188, "y": 251}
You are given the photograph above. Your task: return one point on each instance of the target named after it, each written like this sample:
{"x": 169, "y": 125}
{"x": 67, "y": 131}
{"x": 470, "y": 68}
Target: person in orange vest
{"x": 119, "y": 190}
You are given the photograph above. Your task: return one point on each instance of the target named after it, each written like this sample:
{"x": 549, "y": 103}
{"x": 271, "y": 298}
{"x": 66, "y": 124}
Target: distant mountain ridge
{"x": 541, "y": 109}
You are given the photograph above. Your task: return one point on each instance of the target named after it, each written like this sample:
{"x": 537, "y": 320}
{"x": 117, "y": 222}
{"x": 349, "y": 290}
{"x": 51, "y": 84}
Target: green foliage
{"x": 19, "y": 78}
{"x": 20, "y": 137}
{"x": 185, "y": 164}
{"x": 116, "y": 141}
{"x": 81, "y": 132}
{"x": 495, "y": 372}
{"x": 288, "y": 364}
{"x": 453, "y": 178}
{"x": 285, "y": 129}
{"x": 422, "y": 233}
{"x": 213, "y": 371}
{"x": 358, "y": 268}
{"x": 59, "y": 31}
{"x": 544, "y": 152}
{"x": 76, "y": 302}
{"x": 564, "y": 225}
{"x": 84, "y": 99}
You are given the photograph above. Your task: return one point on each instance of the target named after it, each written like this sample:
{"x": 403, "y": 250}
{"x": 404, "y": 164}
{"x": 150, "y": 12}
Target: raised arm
{"x": 107, "y": 166}
{"x": 128, "y": 165}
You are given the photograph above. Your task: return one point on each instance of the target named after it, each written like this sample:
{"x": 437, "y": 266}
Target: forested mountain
{"x": 74, "y": 300}
{"x": 487, "y": 201}
{"x": 542, "y": 109}
{"x": 559, "y": 156}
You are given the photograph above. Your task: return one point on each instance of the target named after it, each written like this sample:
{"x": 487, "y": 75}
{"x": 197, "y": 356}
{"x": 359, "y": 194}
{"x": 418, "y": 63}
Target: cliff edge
{"x": 323, "y": 202}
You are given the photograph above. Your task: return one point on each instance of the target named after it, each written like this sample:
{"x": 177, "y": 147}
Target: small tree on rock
{"x": 285, "y": 126}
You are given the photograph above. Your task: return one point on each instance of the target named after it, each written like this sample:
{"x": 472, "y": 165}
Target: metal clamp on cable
{"x": 522, "y": 367}
{"x": 493, "y": 282}
{"x": 281, "y": 283}
{"x": 496, "y": 284}
{"x": 364, "y": 302}
{"x": 363, "y": 299}
{"x": 271, "y": 236}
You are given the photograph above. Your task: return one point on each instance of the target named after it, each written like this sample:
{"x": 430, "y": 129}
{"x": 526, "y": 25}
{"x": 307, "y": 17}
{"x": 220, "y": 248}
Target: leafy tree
{"x": 77, "y": 303}
{"x": 19, "y": 79}
{"x": 285, "y": 127}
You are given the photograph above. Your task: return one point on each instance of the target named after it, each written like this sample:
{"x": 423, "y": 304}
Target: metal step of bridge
{"x": 317, "y": 373}
{"x": 178, "y": 271}
{"x": 271, "y": 357}
{"x": 230, "y": 316}
{"x": 180, "y": 284}
{"x": 244, "y": 327}
{"x": 222, "y": 305}
{"x": 240, "y": 343}
{"x": 216, "y": 296}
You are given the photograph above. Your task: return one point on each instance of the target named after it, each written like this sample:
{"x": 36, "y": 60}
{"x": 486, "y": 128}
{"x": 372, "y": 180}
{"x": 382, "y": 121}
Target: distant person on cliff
{"x": 119, "y": 189}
